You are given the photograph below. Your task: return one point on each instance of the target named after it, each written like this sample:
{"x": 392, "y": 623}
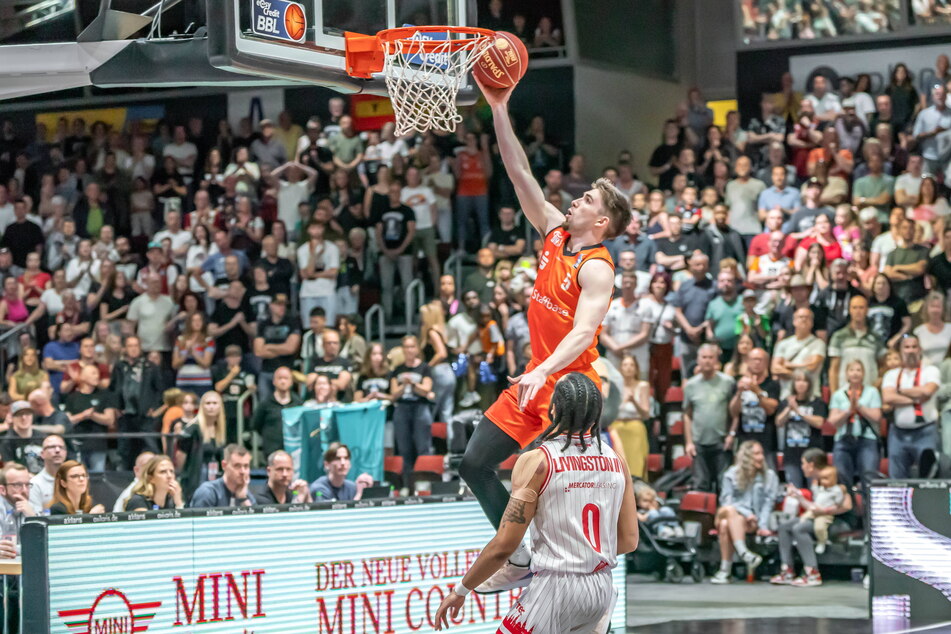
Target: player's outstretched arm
{"x": 542, "y": 214}
{"x": 527, "y": 478}
{"x": 597, "y": 286}
{"x": 627, "y": 530}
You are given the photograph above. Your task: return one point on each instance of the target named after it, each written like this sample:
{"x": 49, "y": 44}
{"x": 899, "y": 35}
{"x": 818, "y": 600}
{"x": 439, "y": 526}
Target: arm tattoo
{"x": 515, "y": 512}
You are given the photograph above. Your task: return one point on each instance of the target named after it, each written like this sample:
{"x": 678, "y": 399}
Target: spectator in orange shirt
{"x": 840, "y": 160}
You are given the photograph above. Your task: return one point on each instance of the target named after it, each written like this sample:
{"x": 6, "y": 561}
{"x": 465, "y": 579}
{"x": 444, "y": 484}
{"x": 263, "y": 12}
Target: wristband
{"x": 461, "y": 590}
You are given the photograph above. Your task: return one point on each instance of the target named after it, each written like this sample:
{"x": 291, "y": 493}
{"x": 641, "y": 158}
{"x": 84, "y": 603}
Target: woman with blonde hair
{"x": 71, "y": 491}
{"x": 635, "y": 408}
{"x": 203, "y": 441}
{"x": 748, "y": 491}
{"x": 157, "y": 488}
{"x": 28, "y": 376}
{"x": 934, "y": 333}
{"x": 432, "y": 335}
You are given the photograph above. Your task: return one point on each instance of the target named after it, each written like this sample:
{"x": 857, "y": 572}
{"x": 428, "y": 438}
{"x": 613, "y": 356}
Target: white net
{"x": 423, "y": 84}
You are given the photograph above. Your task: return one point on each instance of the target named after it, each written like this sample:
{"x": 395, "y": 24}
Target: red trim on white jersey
{"x": 550, "y": 469}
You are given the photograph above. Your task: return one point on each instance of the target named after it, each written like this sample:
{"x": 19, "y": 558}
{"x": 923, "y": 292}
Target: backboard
{"x": 266, "y": 37}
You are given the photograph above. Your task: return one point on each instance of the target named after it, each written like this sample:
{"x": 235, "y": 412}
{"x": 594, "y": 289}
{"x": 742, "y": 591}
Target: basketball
{"x": 295, "y": 22}
{"x": 503, "y": 63}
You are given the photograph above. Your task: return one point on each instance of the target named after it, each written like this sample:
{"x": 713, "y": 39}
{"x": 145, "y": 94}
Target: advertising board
{"x": 365, "y": 567}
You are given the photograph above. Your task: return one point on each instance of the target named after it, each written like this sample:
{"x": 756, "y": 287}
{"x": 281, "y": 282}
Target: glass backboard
{"x": 304, "y": 41}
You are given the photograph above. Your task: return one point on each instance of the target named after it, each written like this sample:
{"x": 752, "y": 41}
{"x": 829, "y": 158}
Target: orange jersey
{"x": 551, "y": 314}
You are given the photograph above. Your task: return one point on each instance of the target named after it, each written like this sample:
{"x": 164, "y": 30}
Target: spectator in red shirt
{"x": 821, "y": 234}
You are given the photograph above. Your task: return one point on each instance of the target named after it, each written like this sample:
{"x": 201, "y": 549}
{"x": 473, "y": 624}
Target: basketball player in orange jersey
{"x": 579, "y": 499}
{"x": 572, "y": 292}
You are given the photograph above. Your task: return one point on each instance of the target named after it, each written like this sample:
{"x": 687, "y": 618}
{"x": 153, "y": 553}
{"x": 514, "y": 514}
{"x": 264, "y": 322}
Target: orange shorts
{"x": 524, "y": 426}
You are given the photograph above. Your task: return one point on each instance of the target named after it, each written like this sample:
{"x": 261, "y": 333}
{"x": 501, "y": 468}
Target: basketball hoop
{"x": 424, "y": 68}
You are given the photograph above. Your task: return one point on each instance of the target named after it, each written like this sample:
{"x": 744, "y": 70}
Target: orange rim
{"x": 406, "y": 33}
{"x": 365, "y": 53}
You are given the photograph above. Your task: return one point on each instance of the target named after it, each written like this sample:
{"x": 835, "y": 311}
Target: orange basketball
{"x": 295, "y": 22}
{"x": 503, "y": 63}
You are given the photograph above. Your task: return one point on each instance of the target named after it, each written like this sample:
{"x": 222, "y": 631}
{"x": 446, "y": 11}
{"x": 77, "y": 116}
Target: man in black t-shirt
{"x": 507, "y": 241}
{"x": 395, "y": 227}
{"x": 280, "y": 271}
{"x": 410, "y": 386}
{"x": 281, "y": 488}
{"x": 231, "y": 381}
{"x": 673, "y": 252}
{"x": 276, "y": 344}
{"x": 332, "y": 366}
{"x": 92, "y": 410}
{"x": 753, "y": 406}
{"x": 230, "y": 323}
{"x": 22, "y": 443}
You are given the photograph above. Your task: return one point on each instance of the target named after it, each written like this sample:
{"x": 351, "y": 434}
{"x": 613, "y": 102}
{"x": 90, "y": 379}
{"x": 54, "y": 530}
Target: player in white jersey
{"x": 579, "y": 498}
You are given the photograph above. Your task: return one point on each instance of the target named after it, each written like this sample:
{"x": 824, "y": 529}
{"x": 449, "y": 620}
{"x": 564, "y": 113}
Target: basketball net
{"x": 424, "y": 78}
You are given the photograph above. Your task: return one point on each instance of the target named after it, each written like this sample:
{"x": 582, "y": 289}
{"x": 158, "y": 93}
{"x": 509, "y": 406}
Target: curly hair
{"x": 575, "y": 409}
{"x": 746, "y": 471}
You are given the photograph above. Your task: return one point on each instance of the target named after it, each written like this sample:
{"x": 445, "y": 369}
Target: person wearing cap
{"x": 876, "y": 188}
{"x": 231, "y": 381}
{"x": 276, "y": 344}
{"x": 850, "y": 127}
{"x": 799, "y": 293}
{"x": 268, "y": 150}
{"x": 22, "y": 443}
{"x": 800, "y": 224}
{"x": 157, "y": 267}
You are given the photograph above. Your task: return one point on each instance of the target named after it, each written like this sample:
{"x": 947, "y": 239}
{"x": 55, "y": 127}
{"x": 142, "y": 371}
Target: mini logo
{"x": 557, "y": 238}
{"x": 578, "y": 260}
{"x": 111, "y": 613}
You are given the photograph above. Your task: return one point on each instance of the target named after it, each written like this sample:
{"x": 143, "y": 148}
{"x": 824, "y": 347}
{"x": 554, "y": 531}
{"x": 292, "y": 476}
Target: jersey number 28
{"x": 591, "y": 525}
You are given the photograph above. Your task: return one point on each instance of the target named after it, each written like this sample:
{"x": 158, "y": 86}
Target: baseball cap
{"x": 813, "y": 182}
{"x": 279, "y": 298}
{"x": 4, "y": 250}
{"x": 749, "y": 294}
{"x": 798, "y": 280}
{"x": 155, "y": 244}
{"x": 267, "y": 123}
{"x": 869, "y": 213}
{"x": 233, "y": 350}
{"x": 849, "y": 102}
{"x": 20, "y": 407}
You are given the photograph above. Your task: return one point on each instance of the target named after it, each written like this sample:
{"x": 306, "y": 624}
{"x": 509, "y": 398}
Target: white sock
{"x": 726, "y": 566}
{"x": 741, "y": 549}
{"x": 522, "y": 556}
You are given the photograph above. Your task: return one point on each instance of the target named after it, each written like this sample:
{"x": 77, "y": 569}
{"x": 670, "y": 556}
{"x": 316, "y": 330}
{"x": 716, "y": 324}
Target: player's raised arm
{"x": 527, "y": 478}
{"x": 542, "y": 214}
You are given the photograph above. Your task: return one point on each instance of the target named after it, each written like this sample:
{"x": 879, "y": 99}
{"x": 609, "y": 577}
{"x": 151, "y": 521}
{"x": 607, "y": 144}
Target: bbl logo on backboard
{"x": 279, "y": 19}
{"x": 111, "y": 613}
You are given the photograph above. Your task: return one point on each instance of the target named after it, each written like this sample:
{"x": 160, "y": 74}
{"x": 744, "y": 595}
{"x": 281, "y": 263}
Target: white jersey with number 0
{"x": 575, "y": 525}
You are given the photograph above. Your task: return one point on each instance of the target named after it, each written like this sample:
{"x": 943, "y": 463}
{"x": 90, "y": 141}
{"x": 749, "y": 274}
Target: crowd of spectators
{"x": 793, "y": 274}
{"x": 816, "y": 19}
